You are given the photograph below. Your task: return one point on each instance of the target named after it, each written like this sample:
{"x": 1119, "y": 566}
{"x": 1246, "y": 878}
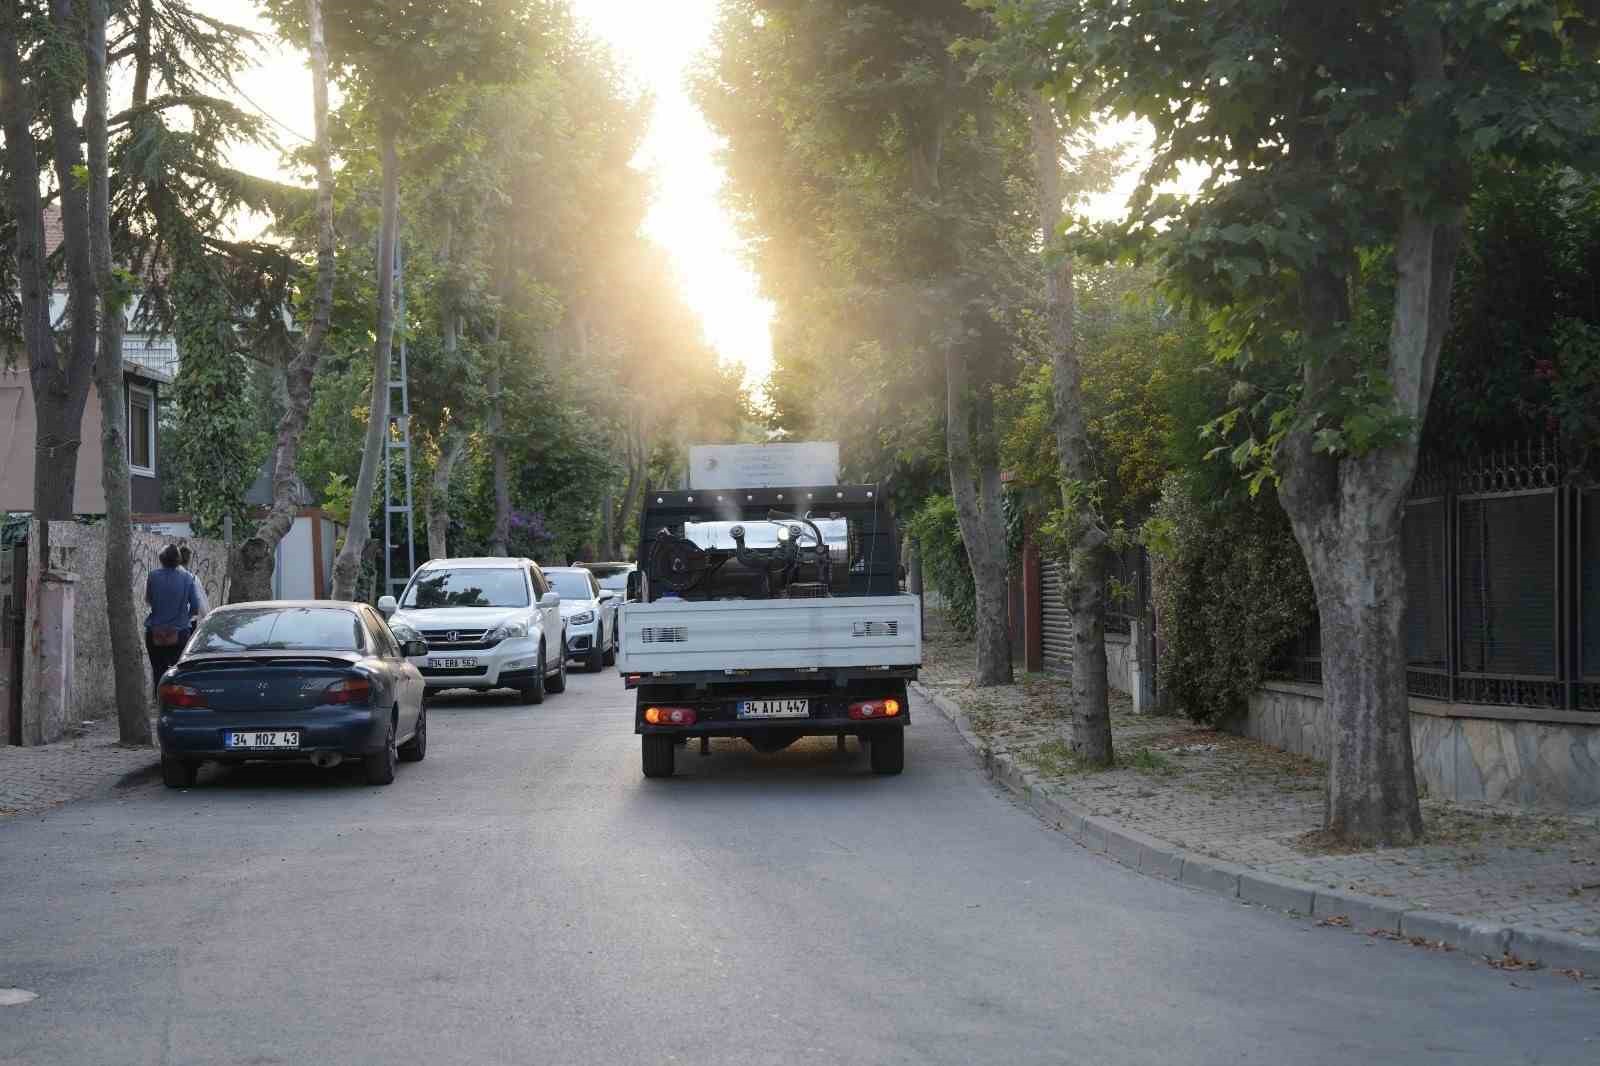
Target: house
{"x": 150, "y": 363}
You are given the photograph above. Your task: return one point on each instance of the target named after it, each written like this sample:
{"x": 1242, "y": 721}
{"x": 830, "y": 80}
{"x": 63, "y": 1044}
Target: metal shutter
{"x": 1056, "y": 629}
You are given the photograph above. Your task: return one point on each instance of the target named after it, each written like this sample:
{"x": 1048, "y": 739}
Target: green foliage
{"x": 1231, "y": 589}
{"x": 1520, "y": 360}
{"x": 220, "y": 447}
{"x": 945, "y": 568}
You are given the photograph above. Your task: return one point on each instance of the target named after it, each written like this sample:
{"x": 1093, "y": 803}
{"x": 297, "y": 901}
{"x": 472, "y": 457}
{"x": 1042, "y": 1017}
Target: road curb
{"x": 143, "y": 774}
{"x": 1157, "y": 858}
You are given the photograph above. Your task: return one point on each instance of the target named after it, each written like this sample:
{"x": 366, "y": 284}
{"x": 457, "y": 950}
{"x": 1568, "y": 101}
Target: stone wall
{"x": 80, "y": 549}
{"x": 1476, "y": 754}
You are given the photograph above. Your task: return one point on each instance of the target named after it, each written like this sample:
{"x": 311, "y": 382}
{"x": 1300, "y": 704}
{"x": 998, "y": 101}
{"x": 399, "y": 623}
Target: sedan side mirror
{"x": 387, "y": 605}
{"x": 414, "y": 648}
{"x": 550, "y": 599}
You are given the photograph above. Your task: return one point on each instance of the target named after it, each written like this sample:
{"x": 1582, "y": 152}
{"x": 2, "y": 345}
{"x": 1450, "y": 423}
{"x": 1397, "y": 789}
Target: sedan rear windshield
{"x": 497, "y": 587}
{"x": 280, "y": 628}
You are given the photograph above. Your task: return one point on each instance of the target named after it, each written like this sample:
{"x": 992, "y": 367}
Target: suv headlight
{"x": 507, "y": 631}
{"x": 582, "y": 618}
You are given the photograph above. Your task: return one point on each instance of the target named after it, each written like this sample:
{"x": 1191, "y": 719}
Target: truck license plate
{"x": 774, "y": 708}
{"x": 287, "y": 739}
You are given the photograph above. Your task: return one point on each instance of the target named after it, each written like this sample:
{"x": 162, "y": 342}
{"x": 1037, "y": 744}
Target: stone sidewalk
{"x": 90, "y": 764}
{"x": 1249, "y": 807}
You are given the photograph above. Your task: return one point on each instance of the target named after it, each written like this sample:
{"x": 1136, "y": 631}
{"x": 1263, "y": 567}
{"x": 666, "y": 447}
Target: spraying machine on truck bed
{"x": 769, "y": 613}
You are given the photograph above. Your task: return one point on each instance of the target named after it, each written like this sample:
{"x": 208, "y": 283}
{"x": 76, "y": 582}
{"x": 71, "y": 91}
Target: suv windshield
{"x": 291, "y": 628}
{"x": 571, "y": 586}
{"x": 497, "y": 587}
{"x": 611, "y": 577}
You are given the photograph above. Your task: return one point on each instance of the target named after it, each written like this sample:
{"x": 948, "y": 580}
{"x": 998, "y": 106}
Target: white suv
{"x": 489, "y": 623}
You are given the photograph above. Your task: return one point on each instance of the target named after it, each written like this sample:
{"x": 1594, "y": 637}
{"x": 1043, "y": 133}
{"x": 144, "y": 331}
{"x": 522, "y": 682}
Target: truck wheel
{"x": 659, "y": 753}
{"x": 888, "y": 750}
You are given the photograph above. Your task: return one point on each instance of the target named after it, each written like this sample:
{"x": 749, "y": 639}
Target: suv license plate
{"x": 289, "y": 739}
{"x": 452, "y": 664}
{"x": 774, "y": 708}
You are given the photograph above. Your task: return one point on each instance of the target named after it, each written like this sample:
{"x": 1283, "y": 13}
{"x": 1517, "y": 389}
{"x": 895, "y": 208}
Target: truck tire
{"x": 659, "y": 753}
{"x": 887, "y": 750}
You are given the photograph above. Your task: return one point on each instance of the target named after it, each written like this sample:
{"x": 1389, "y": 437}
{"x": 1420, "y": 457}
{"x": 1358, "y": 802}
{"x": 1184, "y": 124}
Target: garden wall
{"x": 1503, "y": 755}
{"x": 80, "y": 549}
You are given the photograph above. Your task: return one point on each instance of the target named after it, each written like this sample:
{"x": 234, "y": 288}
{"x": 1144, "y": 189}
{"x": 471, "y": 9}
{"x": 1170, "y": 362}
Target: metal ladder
{"x": 397, "y": 446}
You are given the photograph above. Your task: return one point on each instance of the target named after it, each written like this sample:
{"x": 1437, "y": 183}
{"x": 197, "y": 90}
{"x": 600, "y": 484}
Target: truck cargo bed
{"x": 676, "y": 636}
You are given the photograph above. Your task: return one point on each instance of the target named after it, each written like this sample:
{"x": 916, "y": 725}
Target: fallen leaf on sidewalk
{"x": 1414, "y": 941}
{"x": 1337, "y": 920}
{"x": 1511, "y": 962}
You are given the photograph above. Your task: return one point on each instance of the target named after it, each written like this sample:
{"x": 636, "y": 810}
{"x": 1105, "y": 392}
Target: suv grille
{"x": 457, "y": 639}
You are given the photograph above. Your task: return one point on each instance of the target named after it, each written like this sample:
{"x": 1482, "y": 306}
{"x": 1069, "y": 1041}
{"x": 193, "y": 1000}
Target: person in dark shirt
{"x": 176, "y": 601}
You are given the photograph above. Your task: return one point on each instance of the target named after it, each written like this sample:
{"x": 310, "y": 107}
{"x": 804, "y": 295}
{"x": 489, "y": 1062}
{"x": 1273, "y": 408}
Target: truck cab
{"x": 769, "y": 614}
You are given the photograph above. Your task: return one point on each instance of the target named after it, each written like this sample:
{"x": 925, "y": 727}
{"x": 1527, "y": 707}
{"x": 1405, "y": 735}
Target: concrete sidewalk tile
{"x": 1212, "y": 875}
{"x": 1281, "y": 893}
{"x": 1464, "y": 934}
{"x": 1365, "y": 912}
{"x": 1556, "y": 950}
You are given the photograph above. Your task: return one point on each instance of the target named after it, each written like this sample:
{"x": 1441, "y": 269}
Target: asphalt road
{"x": 525, "y": 896}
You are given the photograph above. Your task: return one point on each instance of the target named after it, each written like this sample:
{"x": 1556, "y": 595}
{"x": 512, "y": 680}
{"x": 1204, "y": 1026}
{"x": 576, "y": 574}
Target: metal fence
{"x": 1502, "y": 557}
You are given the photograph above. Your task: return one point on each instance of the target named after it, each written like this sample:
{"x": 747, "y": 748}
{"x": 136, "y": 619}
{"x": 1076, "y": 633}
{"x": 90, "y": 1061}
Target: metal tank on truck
{"x": 768, "y": 606}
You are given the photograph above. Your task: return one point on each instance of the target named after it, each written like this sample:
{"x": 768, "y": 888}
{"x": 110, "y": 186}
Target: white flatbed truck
{"x": 769, "y": 613}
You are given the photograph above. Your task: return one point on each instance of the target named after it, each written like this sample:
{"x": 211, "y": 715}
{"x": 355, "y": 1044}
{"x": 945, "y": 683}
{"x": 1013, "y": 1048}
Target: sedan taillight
{"x": 175, "y": 695}
{"x": 350, "y": 690}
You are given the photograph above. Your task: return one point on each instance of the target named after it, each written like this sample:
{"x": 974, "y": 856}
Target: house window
{"x": 142, "y": 431}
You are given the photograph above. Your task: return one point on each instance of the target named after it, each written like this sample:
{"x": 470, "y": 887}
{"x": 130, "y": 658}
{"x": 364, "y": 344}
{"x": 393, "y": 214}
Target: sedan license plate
{"x": 452, "y": 664}
{"x": 281, "y": 739}
{"x": 774, "y": 708}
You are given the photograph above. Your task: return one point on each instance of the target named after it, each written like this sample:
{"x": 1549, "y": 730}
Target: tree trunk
{"x": 975, "y": 484}
{"x": 347, "y": 568}
{"x": 127, "y": 655}
{"x": 1086, "y": 530}
{"x": 1347, "y": 513}
{"x": 455, "y": 444}
{"x": 608, "y": 525}
{"x": 251, "y": 568}
{"x": 500, "y": 538}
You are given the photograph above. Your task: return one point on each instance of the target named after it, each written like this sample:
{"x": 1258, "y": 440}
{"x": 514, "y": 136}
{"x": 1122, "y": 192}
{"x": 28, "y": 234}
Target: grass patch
{"x": 1150, "y": 762}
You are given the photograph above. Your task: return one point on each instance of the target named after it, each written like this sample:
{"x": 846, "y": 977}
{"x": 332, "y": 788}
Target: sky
{"x": 656, "y": 41}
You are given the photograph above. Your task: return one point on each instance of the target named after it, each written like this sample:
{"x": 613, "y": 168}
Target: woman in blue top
{"x": 175, "y": 600}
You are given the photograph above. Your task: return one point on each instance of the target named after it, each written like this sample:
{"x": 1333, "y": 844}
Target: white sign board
{"x": 759, "y": 466}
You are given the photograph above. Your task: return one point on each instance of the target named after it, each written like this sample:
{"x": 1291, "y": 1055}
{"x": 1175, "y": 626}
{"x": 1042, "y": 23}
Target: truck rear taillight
{"x": 887, "y": 708}
{"x": 630, "y": 681}
{"x": 669, "y": 716}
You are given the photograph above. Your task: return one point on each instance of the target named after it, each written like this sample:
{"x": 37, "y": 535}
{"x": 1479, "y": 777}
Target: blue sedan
{"x": 292, "y": 680}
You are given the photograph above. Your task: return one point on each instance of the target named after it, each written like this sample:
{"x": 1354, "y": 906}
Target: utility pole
{"x": 397, "y": 449}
